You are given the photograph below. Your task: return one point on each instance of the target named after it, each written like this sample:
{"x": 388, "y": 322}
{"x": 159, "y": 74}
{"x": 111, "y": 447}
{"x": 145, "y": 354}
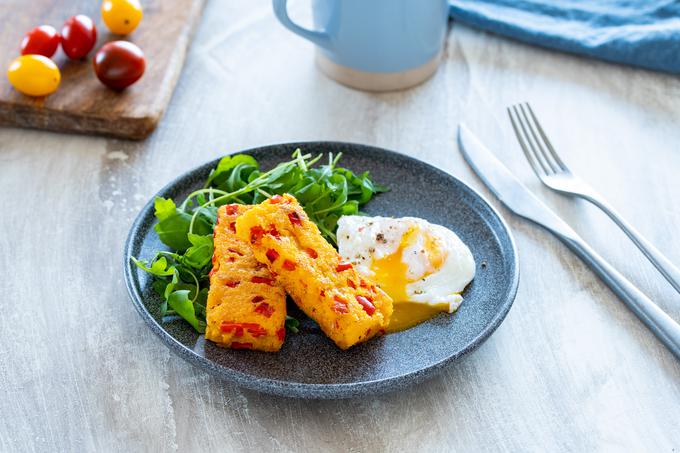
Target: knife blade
{"x": 506, "y": 187}
{"x": 516, "y": 197}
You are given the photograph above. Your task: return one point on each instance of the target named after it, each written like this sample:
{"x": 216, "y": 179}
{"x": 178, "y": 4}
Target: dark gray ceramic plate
{"x": 309, "y": 365}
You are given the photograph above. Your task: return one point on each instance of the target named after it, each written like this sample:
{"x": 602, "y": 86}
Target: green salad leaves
{"x": 326, "y": 192}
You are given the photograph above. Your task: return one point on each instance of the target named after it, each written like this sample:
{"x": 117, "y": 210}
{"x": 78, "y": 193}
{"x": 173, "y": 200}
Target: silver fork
{"x": 554, "y": 173}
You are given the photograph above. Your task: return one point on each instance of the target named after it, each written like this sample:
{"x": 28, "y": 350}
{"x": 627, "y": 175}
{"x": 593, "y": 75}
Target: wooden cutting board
{"x": 82, "y": 103}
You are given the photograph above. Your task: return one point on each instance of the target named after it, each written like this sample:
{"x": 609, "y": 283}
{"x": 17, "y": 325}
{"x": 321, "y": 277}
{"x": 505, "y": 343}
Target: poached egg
{"x": 424, "y": 267}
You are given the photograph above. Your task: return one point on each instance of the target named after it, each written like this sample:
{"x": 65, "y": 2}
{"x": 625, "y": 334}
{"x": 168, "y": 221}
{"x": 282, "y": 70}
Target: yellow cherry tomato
{"x": 121, "y": 16}
{"x": 34, "y": 75}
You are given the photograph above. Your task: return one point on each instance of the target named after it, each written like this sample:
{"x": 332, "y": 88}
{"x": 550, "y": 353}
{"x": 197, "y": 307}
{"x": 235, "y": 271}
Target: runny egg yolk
{"x": 392, "y": 272}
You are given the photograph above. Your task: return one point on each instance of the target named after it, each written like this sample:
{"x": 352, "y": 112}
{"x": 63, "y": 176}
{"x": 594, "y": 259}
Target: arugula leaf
{"x": 174, "y": 225}
{"x": 169, "y": 288}
{"x": 292, "y": 324}
{"x": 180, "y": 302}
{"x": 172, "y": 230}
{"x": 200, "y": 303}
{"x": 201, "y": 251}
{"x": 164, "y": 208}
{"x": 159, "y": 267}
{"x": 159, "y": 286}
{"x": 221, "y": 173}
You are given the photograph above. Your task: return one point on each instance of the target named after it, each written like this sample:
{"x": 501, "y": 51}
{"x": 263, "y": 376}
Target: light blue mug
{"x": 376, "y": 45}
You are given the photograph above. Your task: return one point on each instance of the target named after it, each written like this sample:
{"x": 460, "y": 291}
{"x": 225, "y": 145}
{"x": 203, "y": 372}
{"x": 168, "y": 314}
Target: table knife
{"x": 517, "y": 198}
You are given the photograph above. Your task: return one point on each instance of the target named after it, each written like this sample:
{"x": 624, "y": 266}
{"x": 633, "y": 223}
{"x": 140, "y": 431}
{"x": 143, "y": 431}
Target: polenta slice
{"x": 246, "y": 308}
{"x": 348, "y": 308}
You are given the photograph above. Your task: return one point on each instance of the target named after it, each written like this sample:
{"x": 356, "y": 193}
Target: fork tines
{"x": 533, "y": 140}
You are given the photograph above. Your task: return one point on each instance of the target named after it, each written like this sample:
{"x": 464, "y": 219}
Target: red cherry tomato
{"x": 42, "y": 40}
{"x": 78, "y": 36}
{"x": 119, "y": 64}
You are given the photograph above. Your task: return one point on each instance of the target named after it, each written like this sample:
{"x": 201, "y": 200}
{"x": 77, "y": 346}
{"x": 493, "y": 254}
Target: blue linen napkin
{"x": 643, "y": 33}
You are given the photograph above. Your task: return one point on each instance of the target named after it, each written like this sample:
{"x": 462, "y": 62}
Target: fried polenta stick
{"x": 246, "y": 308}
{"x": 348, "y": 308}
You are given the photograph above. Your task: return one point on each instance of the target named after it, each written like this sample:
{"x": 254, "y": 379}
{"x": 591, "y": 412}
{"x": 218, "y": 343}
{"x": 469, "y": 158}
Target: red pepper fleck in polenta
{"x": 348, "y": 308}
{"x": 246, "y": 309}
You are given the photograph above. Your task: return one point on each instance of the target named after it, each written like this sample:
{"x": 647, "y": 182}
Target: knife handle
{"x": 656, "y": 320}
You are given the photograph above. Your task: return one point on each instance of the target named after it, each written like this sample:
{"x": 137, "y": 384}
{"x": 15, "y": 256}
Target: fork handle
{"x": 656, "y": 320}
{"x": 663, "y": 264}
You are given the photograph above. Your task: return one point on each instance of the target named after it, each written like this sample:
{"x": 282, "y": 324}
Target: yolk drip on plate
{"x": 392, "y": 272}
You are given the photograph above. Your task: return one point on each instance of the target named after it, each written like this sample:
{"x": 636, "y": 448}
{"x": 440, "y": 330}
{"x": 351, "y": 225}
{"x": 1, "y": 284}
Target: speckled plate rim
{"x": 299, "y": 389}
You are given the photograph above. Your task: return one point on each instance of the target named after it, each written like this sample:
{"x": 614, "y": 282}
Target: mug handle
{"x": 320, "y": 38}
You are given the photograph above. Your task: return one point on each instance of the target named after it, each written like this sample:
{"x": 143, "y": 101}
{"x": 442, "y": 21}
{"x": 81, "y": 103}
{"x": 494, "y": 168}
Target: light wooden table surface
{"x": 570, "y": 369}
